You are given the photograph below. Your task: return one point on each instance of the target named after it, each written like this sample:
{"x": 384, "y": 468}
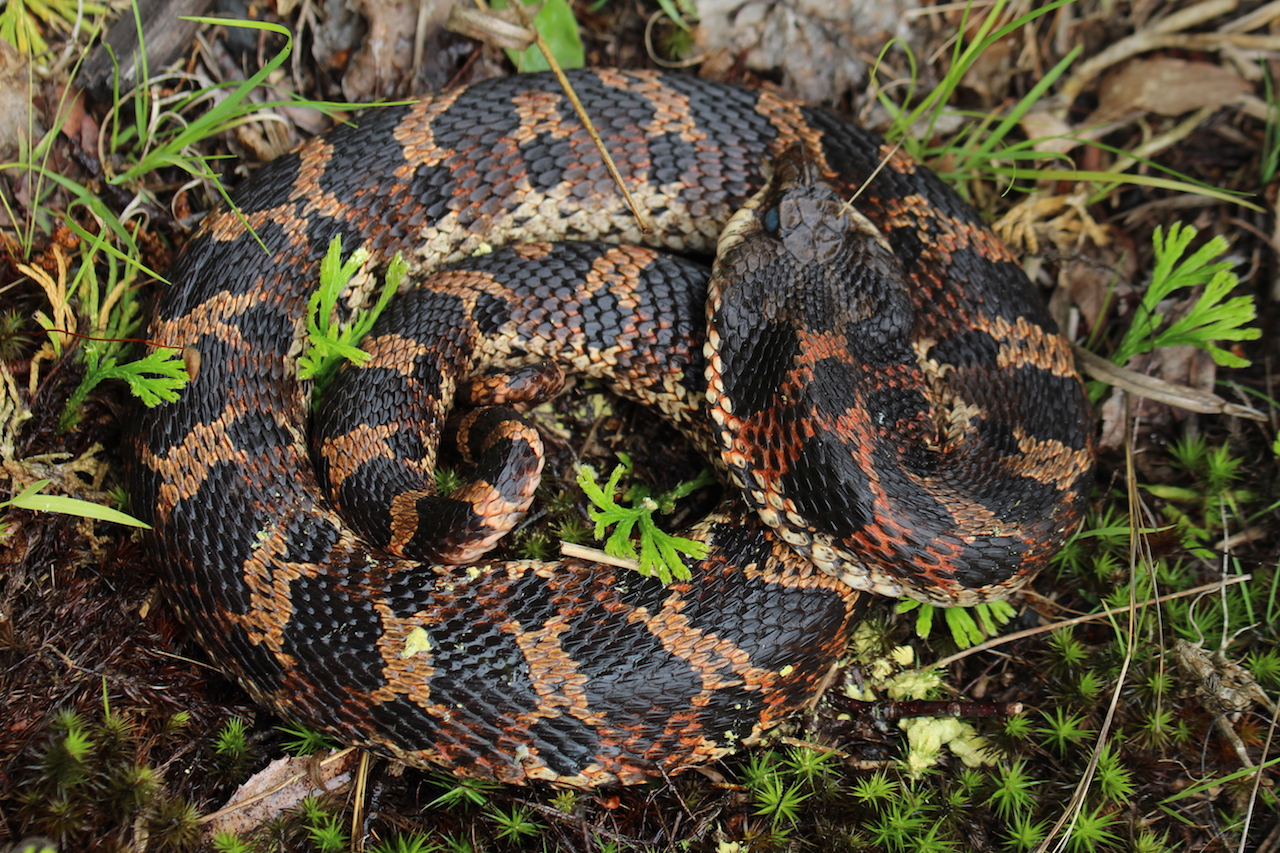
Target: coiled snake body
{"x": 926, "y": 438}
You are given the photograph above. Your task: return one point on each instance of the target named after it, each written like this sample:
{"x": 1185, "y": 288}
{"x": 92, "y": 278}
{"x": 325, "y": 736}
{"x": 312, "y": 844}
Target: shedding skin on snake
{"x": 948, "y": 466}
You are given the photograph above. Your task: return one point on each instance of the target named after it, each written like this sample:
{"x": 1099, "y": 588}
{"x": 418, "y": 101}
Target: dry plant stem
{"x": 484, "y": 26}
{"x": 1259, "y": 17}
{"x": 1222, "y": 41}
{"x": 653, "y": 54}
{"x": 1257, "y": 784}
{"x": 1268, "y": 844}
{"x": 848, "y": 205}
{"x": 996, "y": 642}
{"x": 948, "y": 8}
{"x": 421, "y": 22}
{"x": 358, "y": 799}
{"x": 582, "y": 552}
{"x": 1169, "y": 393}
{"x": 1156, "y": 144}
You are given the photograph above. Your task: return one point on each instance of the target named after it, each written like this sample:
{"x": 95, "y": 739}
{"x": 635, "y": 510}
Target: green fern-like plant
{"x": 330, "y": 342}
{"x": 659, "y": 554}
{"x": 1213, "y": 318}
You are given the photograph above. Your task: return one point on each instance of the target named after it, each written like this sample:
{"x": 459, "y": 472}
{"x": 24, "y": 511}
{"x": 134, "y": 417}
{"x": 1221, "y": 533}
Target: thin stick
{"x": 595, "y": 555}
{"x": 879, "y": 166}
{"x": 358, "y": 798}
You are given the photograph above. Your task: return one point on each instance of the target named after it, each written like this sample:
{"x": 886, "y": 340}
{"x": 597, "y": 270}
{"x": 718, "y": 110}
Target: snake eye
{"x": 771, "y": 220}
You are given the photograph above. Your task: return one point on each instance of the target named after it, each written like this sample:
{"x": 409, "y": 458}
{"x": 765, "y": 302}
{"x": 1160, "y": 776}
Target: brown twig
{"x": 891, "y": 710}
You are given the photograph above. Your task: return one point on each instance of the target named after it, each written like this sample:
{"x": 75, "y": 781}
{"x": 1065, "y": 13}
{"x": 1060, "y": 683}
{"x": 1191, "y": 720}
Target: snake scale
{"x": 880, "y": 385}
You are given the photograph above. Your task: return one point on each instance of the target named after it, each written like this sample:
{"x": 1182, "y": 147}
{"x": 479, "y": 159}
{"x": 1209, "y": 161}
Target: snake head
{"x": 797, "y": 252}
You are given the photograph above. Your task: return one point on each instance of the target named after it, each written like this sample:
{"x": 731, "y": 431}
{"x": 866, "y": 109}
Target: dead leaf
{"x": 1186, "y": 366}
{"x": 387, "y": 51}
{"x": 281, "y": 785}
{"x": 1168, "y": 87}
{"x": 1048, "y": 132}
{"x": 1099, "y": 277}
{"x": 15, "y": 102}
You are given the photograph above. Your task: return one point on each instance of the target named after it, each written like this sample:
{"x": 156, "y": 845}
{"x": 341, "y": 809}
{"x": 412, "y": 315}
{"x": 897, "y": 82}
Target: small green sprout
{"x": 179, "y": 721}
{"x": 876, "y": 788}
{"x": 413, "y": 843}
{"x": 228, "y": 842}
{"x": 1014, "y": 793}
{"x": 969, "y": 780}
{"x": 1113, "y": 780}
{"x": 132, "y": 789}
{"x": 534, "y": 545}
{"x": 759, "y": 768}
{"x": 461, "y": 792}
{"x": 1063, "y": 731}
{"x": 808, "y": 766}
{"x": 1093, "y": 831}
{"x": 324, "y": 827}
{"x": 571, "y": 529}
{"x": 67, "y": 760}
{"x": 969, "y": 625}
{"x": 1025, "y": 833}
{"x": 1067, "y": 654}
{"x": 565, "y": 800}
{"x": 900, "y": 823}
{"x": 1157, "y": 729}
{"x": 458, "y": 843}
{"x": 659, "y": 551}
{"x": 1265, "y": 667}
{"x": 1018, "y": 727}
{"x": 778, "y": 801}
{"x": 175, "y": 824}
{"x": 1149, "y": 842}
{"x": 232, "y": 742}
{"x": 515, "y": 825}
{"x": 300, "y": 740}
{"x": 448, "y": 481}
{"x": 330, "y": 342}
{"x": 1088, "y": 687}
